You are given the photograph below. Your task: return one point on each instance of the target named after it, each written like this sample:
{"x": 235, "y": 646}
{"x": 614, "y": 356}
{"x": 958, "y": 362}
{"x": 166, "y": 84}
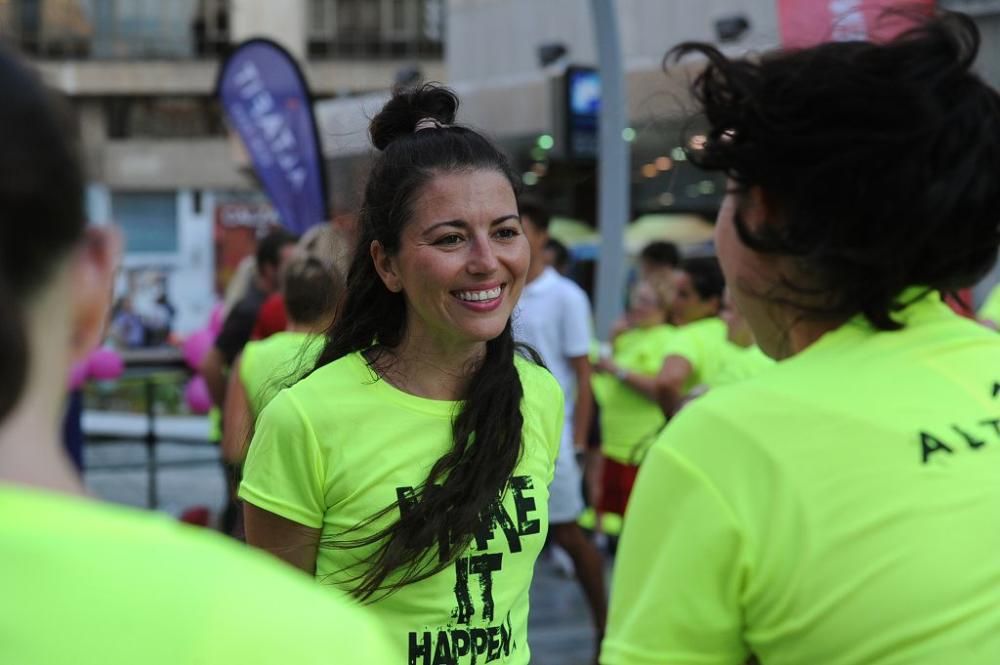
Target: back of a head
{"x": 706, "y": 276}
{"x": 878, "y": 162}
{"x": 270, "y": 246}
{"x": 661, "y": 253}
{"x": 536, "y": 211}
{"x": 311, "y": 288}
{"x": 41, "y": 206}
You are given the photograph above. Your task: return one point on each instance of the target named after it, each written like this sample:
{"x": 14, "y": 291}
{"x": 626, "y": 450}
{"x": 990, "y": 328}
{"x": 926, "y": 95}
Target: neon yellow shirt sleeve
{"x": 285, "y": 470}
{"x": 990, "y": 311}
{"x": 702, "y": 344}
{"x": 677, "y": 582}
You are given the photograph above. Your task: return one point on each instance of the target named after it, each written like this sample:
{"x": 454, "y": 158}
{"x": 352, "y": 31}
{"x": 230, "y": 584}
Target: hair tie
{"x": 428, "y": 123}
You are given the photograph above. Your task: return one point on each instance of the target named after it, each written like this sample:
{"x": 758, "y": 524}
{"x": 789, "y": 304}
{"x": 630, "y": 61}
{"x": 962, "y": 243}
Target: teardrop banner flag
{"x": 268, "y": 103}
{"x": 805, "y": 23}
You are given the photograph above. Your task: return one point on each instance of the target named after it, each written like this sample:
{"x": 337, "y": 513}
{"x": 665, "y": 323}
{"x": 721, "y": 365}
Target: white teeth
{"x": 476, "y": 296}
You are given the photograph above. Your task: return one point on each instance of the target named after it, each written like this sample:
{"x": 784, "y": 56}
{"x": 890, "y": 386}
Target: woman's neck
{"x": 426, "y": 367}
{"x": 31, "y": 452}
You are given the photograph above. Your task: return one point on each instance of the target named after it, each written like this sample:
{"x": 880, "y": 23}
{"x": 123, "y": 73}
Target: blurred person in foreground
{"x": 85, "y": 582}
{"x": 843, "y": 506}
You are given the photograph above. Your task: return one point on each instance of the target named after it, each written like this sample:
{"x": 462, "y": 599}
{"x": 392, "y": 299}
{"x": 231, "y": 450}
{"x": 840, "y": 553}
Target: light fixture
{"x": 551, "y": 53}
{"x": 628, "y": 134}
{"x": 731, "y": 28}
{"x": 649, "y": 170}
{"x": 664, "y": 163}
{"x": 678, "y": 154}
{"x": 529, "y": 178}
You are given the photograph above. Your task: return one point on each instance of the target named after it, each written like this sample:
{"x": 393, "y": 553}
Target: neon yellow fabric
{"x": 268, "y": 365}
{"x": 215, "y": 424}
{"x": 840, "y": 508}
{"x": 339, "y": 446}
{"x": 86, "y": 583}
{"x": 990, "y": 310}
{"x": 629, "y": 420}
{"x": 731, "y": 363}
{"x": 702, "y": 343}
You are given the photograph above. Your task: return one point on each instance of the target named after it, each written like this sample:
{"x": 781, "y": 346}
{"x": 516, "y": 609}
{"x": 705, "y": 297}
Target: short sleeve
{"x": 687, "y": 345}
{"x": 576, "y": 323}
{"x": 678, "y": 575}
{"x": 285, "y": 470}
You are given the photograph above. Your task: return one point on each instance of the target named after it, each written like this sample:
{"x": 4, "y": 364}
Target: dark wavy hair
{"x": 486, "y": 432}
{"x": 880, "y": 163}
{"x": 41, "y": 207}
{"x": 706, "y": 276}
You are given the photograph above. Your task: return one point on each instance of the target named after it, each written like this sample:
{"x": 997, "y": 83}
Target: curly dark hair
{"x": 879, "y": 162}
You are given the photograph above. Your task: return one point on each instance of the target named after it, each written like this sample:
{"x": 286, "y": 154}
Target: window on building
{"x": 117, "y": 29}
{"x": 148, "y": 221}
{"x": 375, "y": 29}
{"x": 163, "y": 117}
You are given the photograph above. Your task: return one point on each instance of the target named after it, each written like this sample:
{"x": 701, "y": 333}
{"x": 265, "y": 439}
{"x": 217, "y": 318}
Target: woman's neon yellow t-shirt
{"x": 629, "y": 419}
{"x": 842, "y": 507}
{"x": 703, "y": 344}
{"x": 340, "y": 445}
{"x": 86, "y": 583}
{"x": 990, "y": 310}
{"x": 732, "y": 363}
{"x": 271, "y": 364}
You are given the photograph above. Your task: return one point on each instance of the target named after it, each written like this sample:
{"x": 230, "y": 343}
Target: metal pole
{"x": 613, "y": 169}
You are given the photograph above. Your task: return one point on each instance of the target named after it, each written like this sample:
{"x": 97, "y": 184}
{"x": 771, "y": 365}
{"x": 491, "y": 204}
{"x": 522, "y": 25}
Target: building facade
{"x": 141, "y": 74}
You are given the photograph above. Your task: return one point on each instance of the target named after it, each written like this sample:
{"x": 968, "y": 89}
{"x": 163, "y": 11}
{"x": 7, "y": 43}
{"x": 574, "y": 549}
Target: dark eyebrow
{"x": 461, "y": 223}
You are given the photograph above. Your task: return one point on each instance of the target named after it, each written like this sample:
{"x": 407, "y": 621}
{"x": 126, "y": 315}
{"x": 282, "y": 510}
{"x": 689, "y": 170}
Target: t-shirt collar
{"x": 921, "y": 305}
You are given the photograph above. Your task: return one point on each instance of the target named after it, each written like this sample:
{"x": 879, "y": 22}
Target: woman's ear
{"x": 385, "y": 265}
{"x": 94, "y": 269}
{"x": 757, "y": 209}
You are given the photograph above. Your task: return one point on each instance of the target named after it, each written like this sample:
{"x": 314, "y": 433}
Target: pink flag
{"x": 806, "y": 23}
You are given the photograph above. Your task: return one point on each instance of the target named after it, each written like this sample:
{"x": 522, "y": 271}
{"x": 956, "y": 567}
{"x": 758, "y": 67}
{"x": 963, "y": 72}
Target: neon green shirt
{"x": 731, "y": 363}
{"x": 842, "y": 508}
{"x": 703, "y": 344}
{"x": 990, "y": 310}
{"x": 86, "y": 583}
{"x": 268, "y": 365}
{"x": 338, "y": 446}
{"x": 629, "y": 419}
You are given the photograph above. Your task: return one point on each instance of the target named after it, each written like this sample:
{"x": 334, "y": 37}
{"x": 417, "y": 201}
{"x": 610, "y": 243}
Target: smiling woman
{"x": 411, "y": 467}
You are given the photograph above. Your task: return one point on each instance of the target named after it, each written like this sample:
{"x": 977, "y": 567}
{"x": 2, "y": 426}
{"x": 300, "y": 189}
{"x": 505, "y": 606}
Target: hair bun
{"x": 408, "y": 106}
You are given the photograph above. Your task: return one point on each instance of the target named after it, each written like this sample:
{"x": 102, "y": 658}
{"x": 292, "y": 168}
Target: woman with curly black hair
{"x": 842, "y": 507}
